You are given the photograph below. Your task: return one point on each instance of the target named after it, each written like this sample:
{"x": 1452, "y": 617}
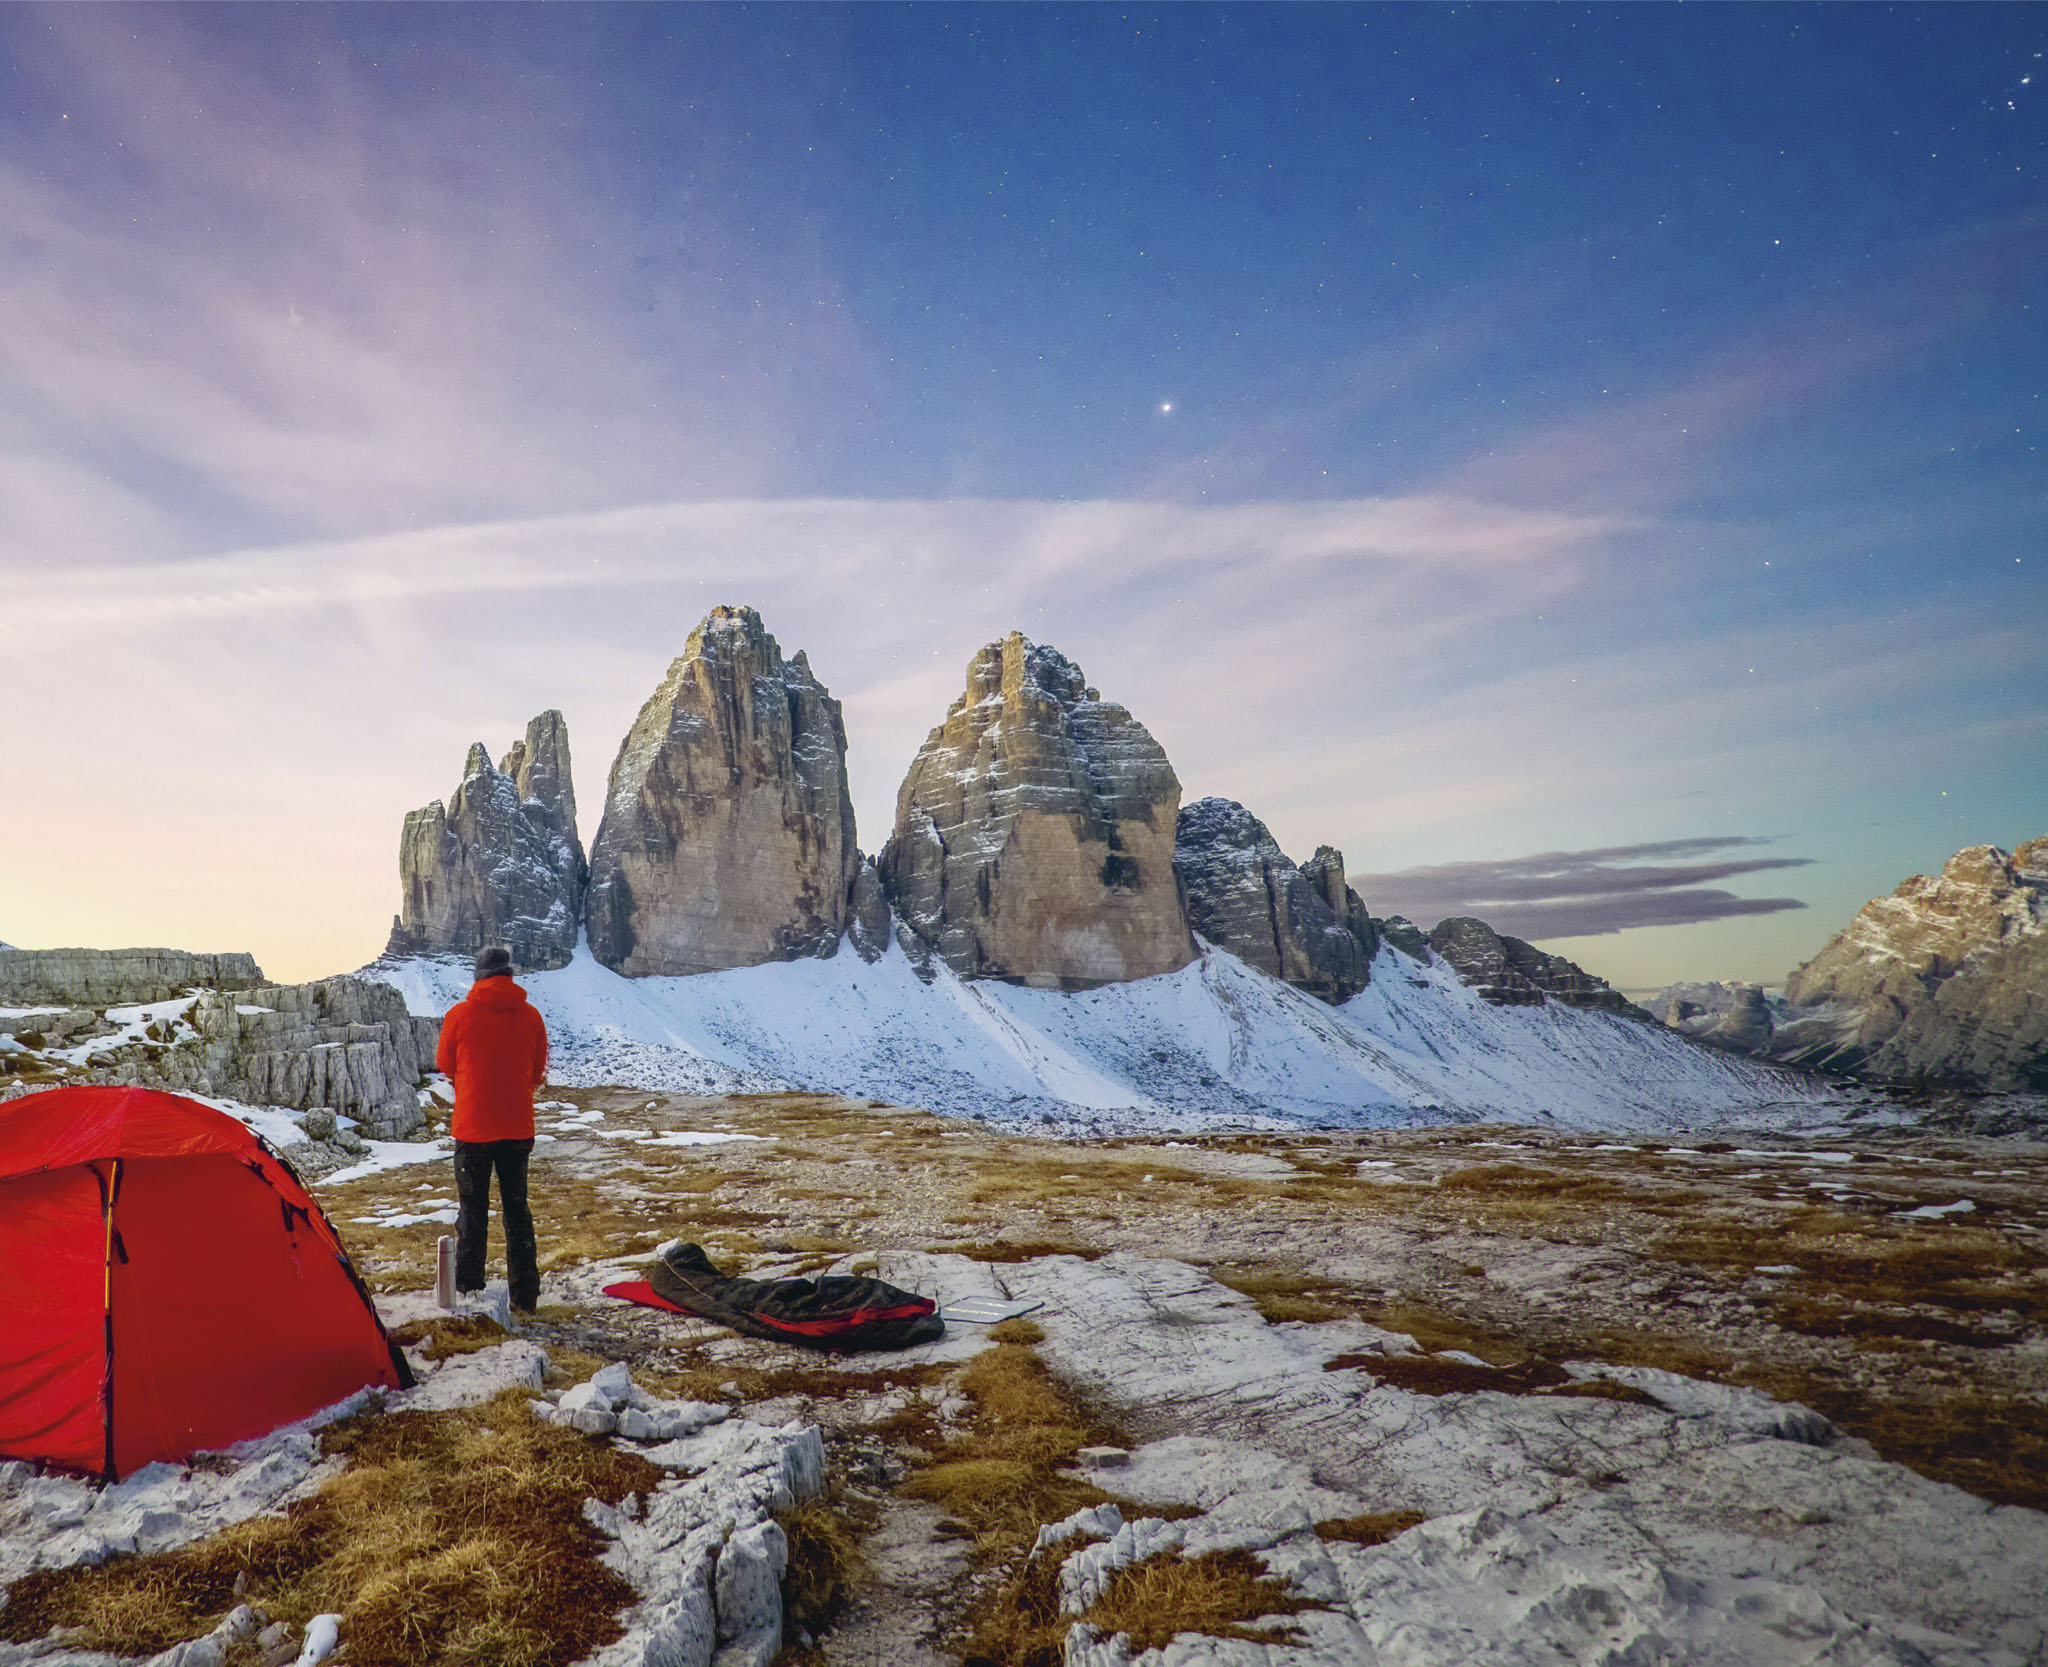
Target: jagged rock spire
{"x": 728, "y": 834}
{"x": 500, "y": 862}
{"x": 1304, "y": 925}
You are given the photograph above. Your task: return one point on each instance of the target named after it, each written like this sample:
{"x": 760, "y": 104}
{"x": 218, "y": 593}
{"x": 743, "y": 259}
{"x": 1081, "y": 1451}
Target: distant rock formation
{"x": 728, "y": 836}
{"x": 1510, "y": 973}
{"x": 1747, "y": 1025}
{"x": 1944, "y": 982}
{"x": 1302, "y": 925}
{"x": 1399, "y": 932}
{"x": 501, "y": 863}
{"x": 1740, "y": 1017}
{"x": 1325, "y": 871}
{"x": 867, "y": 913}
{"x": 1034, "y": 833}
{"x": 109, "y": 977}
{"x": 343, "y": 1043}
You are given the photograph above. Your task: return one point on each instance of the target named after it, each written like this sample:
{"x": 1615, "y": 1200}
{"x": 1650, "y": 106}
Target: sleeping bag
{"x": 839, "y": 1311}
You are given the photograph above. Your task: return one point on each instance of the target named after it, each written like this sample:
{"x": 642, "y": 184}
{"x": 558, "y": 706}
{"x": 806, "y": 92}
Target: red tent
{"x": 166, "y": 1285}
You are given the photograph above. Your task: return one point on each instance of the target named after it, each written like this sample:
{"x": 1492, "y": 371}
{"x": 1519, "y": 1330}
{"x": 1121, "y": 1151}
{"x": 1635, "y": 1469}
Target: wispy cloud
{"x": 282, "y": 302}
{"x": 1572, "y": 894}
{"x": 1027, "y": 549}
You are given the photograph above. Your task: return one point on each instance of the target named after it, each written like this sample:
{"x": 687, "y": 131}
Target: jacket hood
{"x": 497, "y": 992}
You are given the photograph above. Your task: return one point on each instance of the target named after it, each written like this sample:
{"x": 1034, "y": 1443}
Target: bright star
{"x": 1166, "y": 407}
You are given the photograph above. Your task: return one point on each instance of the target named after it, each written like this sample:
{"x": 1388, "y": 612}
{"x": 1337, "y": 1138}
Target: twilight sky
{"x": 1585, "y": 463}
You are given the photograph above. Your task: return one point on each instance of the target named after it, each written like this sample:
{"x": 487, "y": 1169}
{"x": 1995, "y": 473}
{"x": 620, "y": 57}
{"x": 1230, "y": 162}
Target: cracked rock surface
{"x": 1034, "y": 833}
{"x": 728, "y": 834}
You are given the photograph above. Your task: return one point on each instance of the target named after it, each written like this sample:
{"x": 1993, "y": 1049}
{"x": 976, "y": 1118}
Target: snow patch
{"x": 1216, "y": 1044}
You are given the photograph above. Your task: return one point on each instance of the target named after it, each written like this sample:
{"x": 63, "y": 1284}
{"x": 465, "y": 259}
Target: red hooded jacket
{"x": 494, "y": 1046}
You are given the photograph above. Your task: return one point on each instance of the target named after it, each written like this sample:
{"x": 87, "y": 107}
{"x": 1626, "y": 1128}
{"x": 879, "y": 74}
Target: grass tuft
{"x": 1376, "y": 1529}
{"x": 438, "y": 1338}
{"x": 1432, "y": 1375}
{"x": 1284, "y": 1297}
{"x": 1219, "y": 1595}
{"x": 1008, "y": 1250}
{"x": 825, "y": 1559}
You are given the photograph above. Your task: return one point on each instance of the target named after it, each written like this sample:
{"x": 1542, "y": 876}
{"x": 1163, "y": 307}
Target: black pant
{"x": 474, "y": 1161}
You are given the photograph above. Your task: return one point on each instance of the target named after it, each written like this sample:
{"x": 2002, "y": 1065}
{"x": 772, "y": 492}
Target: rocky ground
{"x": 1473, "y": 1393}
{"x": 1551, "y": 1375}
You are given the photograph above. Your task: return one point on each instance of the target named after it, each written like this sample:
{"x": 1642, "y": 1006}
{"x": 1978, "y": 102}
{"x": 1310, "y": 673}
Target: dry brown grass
{"x": 1992, "y": 1445}
{"x": 1430, "y": 1375}
{"x": 1216, "y": 1595}
{"x": 825, "y": 1559}
{"x": 1024, "y": 1250}
{"x": 1375, "y": 1529}
{"x": 1093, "y": 1181}
{"x": 1875, "y": 1329}
{"x": 452, "y": 1539}
{"x": 1001, "y": 1482}
{"x": 1003, "y": 1479}
{"x": 1282, "y": 1297}
{"x": 438, "y": 1338}
{"x": 1436, "y": 1328}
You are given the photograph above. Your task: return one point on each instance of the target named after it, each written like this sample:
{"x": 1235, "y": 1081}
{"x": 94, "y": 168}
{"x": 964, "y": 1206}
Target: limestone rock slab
{"x": 1034, "y": 832}
{"x": 346, "y": 1044}
{"x": 111, "y": 977}
{"x": 728, "y": 833}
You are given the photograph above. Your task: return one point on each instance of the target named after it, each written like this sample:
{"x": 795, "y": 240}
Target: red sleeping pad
{"x": 638, "y": 1290}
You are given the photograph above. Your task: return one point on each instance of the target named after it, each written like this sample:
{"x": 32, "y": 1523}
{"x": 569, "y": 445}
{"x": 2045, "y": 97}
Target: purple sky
{"x": 1583, "y": 463}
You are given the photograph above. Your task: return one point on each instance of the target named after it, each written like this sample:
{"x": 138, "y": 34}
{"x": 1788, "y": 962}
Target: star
{"x": 1166, "y": 407}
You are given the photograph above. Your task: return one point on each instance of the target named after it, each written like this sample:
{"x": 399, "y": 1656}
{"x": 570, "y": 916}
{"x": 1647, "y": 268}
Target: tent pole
{"x": 108, "y": 1197}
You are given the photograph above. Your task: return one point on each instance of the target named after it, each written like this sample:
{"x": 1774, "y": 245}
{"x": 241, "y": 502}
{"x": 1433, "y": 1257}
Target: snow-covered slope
{"x": 1215, "y": 1043}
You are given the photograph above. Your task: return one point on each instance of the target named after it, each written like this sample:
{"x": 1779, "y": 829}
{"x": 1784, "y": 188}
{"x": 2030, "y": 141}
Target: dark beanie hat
{"x": 494, "y": 961}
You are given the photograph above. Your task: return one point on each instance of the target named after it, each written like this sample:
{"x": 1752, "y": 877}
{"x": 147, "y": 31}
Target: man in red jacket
{"x": 495, "y": 1049}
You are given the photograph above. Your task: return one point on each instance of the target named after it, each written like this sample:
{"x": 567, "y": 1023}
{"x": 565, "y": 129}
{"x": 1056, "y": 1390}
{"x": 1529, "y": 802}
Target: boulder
{"x": 1245, "y": 896}
{"x": 1942, "y": 982}
{"x": 112, "y": 977}
{"x": 500, "y": 863}
{"x": 1510, "y": 973}
{"x": 728, "y": 835}
{"x": 1034, "y": 833}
